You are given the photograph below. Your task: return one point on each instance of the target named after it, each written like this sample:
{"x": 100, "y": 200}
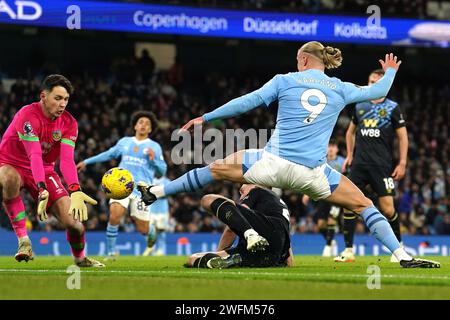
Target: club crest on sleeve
{"x": 28, "y": 129}
{"x": 56, "y": 135}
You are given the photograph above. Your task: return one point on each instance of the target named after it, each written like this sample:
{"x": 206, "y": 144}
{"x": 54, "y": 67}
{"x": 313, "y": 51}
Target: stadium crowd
{"x": 103, "y": 105}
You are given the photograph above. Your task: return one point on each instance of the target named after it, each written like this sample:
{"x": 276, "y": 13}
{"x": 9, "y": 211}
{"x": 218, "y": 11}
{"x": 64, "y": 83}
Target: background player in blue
{"x": 326, "y": 214}
{"x": 143, "y": 157}
{"x": 159, "y": 217}
{"x": 309, "y": 103}
{"x": 370, "y": 137}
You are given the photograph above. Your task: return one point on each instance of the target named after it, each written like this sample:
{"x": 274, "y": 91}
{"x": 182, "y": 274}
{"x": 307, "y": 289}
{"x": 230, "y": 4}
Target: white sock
{"x": 250, "y": 232}
{"x": 158, "y": 191}
{"x": 401, "y": 254}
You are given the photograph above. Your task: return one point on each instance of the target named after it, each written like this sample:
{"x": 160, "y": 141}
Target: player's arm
{"x": 290, "y": 259}
{"x": 402, "y": 135}
{"x": 157, "y": 160}
{"x": 68, "y": 169}
{"x": 263, "y": 96}
{"x": 111, "y": 153}
{"x": 28, "y": 129}
{"x": 350, "y": 141}
{"x": 379, "y": 89}
{"x": 227, "y": 239}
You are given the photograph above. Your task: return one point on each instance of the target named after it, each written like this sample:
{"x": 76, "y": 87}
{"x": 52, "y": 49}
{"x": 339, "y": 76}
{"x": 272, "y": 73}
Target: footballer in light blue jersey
{"x": 309, "y": 103}
{"x": 143, "y": 157}
{"x": 134, "y": 157}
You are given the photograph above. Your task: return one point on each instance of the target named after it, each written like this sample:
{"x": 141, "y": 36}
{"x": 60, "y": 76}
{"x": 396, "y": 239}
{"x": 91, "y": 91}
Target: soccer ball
{"x": 117, "y": 183}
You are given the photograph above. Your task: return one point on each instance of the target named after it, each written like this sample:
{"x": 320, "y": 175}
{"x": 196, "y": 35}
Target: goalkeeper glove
{"x": 42, "y": 201}
{"x": 78, "y": 209}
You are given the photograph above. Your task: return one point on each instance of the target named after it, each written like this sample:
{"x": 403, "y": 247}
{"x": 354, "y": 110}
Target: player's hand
{"x": 151, "y": 154}
{"x": 78, "y": 209}
{"x": 305, "y": 200}
{"x": 390, "y": 61}
{"x": 347, "y": 163}
{"x": 399, "y": 172}
{"x": 42, "y": 204}
{"x": 81, "y": 166}
{"x": 188, "y": 126}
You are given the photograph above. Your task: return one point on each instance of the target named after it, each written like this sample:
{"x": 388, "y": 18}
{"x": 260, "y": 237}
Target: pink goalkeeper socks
{"x": 16, "y": 213}
{"x": 77, "y": 243}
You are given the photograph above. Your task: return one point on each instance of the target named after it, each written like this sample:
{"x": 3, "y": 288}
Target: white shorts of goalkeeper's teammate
{"x": 160, "y": 220}
{"x": 264, "y": 168}
{"x": 136, "y": 207}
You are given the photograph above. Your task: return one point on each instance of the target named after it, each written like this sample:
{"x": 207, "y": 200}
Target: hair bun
{"x": 329, "y": 50}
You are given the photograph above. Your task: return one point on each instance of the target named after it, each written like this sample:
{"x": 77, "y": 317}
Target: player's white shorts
{"x": 136, "y": 206}
{"x": 264, "y": 168}
{"x": 160, "y": 220}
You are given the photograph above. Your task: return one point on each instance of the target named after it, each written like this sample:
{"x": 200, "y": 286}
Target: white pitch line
{"x": 285, "y": 274}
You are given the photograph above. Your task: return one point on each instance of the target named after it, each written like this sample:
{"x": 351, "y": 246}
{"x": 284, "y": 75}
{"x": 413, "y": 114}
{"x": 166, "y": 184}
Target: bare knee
{"x": 321, "y": 224}
{"x": 362, "y": 204}
{"x": 73, "y": 226}
{"x": 10, "y": 183}
{"x": 142, "y": 226}
{"x": 115, "y": 214}
{"x": 387, "y": 209}
{"x": 217, "y": 169}
{"x": 207, "y": 200}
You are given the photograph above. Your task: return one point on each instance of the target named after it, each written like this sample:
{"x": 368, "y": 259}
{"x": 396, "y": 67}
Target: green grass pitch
{"x": 164, "y": 278}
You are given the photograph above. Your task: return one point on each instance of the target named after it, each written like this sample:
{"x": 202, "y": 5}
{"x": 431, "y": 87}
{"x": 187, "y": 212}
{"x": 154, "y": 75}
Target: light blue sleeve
{"x": 353, "y": 93}
{"x": 158, "y": 161}
{"x": 111, "y": 153}
{"x": 264, "y": 95}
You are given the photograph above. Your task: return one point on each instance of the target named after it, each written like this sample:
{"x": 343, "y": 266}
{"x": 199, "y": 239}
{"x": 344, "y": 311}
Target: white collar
{"x": 140, "y": 141}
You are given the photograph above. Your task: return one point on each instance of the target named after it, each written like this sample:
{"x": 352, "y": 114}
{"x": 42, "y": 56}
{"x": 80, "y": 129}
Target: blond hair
{"x": 331, "y": 57}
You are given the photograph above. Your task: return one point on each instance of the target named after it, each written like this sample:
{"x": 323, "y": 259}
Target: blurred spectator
{"x": 146, "y": 65}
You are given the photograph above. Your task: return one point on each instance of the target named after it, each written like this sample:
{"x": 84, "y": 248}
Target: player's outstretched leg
{"x": 229, "y": 169}
{"x": 347, "y": 195}
{"x": 189, "y": 182}
{"x": 227, "y": 212}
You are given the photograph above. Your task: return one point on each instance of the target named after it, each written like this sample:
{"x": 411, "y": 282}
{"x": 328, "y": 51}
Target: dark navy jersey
{"x": 375, "y": 133}
{"x": 266, "y": 202}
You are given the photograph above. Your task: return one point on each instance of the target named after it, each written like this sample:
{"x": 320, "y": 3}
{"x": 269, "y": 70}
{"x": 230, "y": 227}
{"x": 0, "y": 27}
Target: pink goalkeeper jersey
{"x": 30, "y": 124}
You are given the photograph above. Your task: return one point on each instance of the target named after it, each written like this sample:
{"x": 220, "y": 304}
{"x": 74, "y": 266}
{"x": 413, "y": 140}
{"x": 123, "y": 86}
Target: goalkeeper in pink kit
{"x": 39, "y": 134}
